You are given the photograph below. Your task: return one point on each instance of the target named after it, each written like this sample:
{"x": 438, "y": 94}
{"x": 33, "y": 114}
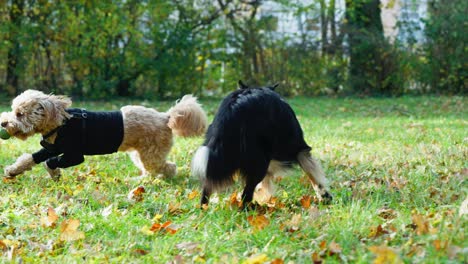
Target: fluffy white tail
{"x": 187, "y": 118}
{"x": 200, "y": 163}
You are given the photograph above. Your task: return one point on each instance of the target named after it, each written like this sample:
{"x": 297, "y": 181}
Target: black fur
{"x": 252, "y": 127}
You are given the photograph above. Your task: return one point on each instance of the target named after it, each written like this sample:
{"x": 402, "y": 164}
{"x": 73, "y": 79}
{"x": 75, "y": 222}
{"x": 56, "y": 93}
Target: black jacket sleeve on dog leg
{"x": 64, "y": 161}
{"x": 43, "y": 155}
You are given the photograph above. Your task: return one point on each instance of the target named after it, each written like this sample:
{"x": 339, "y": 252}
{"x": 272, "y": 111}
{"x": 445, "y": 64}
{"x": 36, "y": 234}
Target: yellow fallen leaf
{"x": 256, "y": 259}
{"x": 193, "y": 194}
{"x": 385, "y": 255}
{"x": 69, "y": 230}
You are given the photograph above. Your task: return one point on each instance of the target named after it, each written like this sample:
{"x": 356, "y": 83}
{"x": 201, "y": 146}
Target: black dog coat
{"x": 85, "y": 133}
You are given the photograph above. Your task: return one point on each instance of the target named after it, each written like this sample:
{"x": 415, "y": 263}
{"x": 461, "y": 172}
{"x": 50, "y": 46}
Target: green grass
{"x": 406, "y": 155}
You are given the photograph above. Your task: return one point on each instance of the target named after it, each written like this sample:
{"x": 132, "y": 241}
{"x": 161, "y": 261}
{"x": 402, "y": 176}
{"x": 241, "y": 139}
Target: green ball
{"x": 4, "y": 134}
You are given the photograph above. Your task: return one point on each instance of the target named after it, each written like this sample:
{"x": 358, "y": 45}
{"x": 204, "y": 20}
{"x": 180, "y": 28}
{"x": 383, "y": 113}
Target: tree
{"x": 372, "y": 66}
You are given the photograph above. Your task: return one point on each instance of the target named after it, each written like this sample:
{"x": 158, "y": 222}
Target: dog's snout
{"x": 4, "y": 124}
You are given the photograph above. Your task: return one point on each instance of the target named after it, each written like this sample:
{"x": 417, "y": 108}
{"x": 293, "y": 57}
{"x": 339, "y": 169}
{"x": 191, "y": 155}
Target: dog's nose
{"x": 4, "y": 124}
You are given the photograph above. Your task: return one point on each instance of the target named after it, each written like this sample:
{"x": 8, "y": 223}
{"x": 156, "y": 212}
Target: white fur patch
{"x": 200, "y": 162}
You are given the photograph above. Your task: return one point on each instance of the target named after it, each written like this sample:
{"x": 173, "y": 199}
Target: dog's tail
{"x": 187, "y": 118}
{"x": 200, "y": 163}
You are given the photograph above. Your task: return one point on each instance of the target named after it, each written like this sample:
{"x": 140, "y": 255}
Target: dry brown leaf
{"x": 334, "y": 249}
{"x": 277, "y": 261}
{"x": 51, "y": 218}
{"x": 259, "y": 222}
{"x": 140, "y": 251}
{"x": 305, "y": 201}
{"x": 167, "y": 227}
{"x": 137, "y": 194}
{"x": 387, "y": 213}
{"x": 385, "y": 255}
{"x": 175, "y": 209}
{"x": 234, "y": 200}
{"x": 440, "y": 245}
{"x": 421, "y": 224}
{"x": 294, "y": 224}
{"x": 69, "y": 230}
{"x": 3, "y": 246}
{"x": 316, "y": 259}
{"x": 377, "y": 231}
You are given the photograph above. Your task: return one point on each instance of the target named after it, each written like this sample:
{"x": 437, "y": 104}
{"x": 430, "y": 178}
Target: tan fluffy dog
{"x": 146, "y": 133}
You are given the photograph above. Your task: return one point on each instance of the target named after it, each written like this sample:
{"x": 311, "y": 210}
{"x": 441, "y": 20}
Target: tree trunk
{"x": 366, "y": 43}
{"x": 13, "y": 56}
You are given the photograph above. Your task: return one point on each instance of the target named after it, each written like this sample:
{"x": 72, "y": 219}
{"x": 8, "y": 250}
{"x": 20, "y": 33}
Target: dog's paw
{"x": 55, "y": 174}
{"x": 326, "y": 198}
{"x": 170, "y": 170}
{"x": 11, "y": 171}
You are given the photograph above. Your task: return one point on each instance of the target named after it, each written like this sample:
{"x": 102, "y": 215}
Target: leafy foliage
{"x": 157, "y": 49}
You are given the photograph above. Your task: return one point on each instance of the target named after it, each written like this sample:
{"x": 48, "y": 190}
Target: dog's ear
{"x": 274, "y": 86}
{"x": 60, "y": 101}
{"x": 54, "y": 106}
{"x": 242, "y": 85}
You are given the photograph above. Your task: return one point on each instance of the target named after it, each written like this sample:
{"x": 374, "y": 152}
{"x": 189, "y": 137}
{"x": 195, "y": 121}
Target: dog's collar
{"x": 48, "y": 135}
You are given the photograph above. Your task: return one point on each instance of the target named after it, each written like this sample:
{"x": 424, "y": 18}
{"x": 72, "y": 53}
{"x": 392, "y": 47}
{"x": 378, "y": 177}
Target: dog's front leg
{"x": 23, "y": 163}
{"x": 55, "y": 174}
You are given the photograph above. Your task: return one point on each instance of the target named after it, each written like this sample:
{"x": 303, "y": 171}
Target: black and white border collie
{"x": 255, "y": 133}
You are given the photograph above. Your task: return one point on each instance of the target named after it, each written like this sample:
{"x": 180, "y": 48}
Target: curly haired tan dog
{"x": 69, "y": 133}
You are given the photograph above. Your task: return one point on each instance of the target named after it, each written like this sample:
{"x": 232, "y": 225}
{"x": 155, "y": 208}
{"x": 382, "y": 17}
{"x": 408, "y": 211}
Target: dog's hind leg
{"x": 205, "y": 198}
{"x": 253, "y": 175}
{"x": 152, "y": 161}
{"x": 316, "y": 175}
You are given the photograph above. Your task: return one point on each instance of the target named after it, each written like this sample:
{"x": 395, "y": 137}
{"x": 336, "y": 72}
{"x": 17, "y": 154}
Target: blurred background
{"x": 162, "y": 49}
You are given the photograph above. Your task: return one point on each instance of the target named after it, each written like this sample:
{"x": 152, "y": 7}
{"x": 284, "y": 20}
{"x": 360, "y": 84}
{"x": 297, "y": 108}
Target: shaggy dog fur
{"x": 147, "y": 134}
{"x": 255, "y": 133}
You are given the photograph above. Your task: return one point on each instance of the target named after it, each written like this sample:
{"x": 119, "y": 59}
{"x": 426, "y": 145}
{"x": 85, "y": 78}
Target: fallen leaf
{"x": 259, "y": 222}
{"x": 193, "y": 194}
{"x": 334, "y": 248}
{"x": 439, "y": 245}
{"x": 51, "y": 219}
{"x": 164, "y": 227}
{"x": 421, "y": 224}
{"x": 377, "y": 231}
{"x": 69, "y": 230}
{"x": 385, "y": 255}
{"x": 3, "y": 246}
{"x": 234, "y": 200}
{"x": 386, "y": 213}
{"x": 137, "y": 194}
{"x": 140, "y": 251}
{"x": 305, "y": 201}
{"x": 256, "y": 259}
{"x": 316, "y": 258}
{"x": 293, "y": 224}
{"x": 175, "y": 209}
{"x": 277, "y": 261}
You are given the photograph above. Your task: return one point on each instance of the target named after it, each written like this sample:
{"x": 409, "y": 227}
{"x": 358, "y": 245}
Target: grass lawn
{"x": 397, "y": 168}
